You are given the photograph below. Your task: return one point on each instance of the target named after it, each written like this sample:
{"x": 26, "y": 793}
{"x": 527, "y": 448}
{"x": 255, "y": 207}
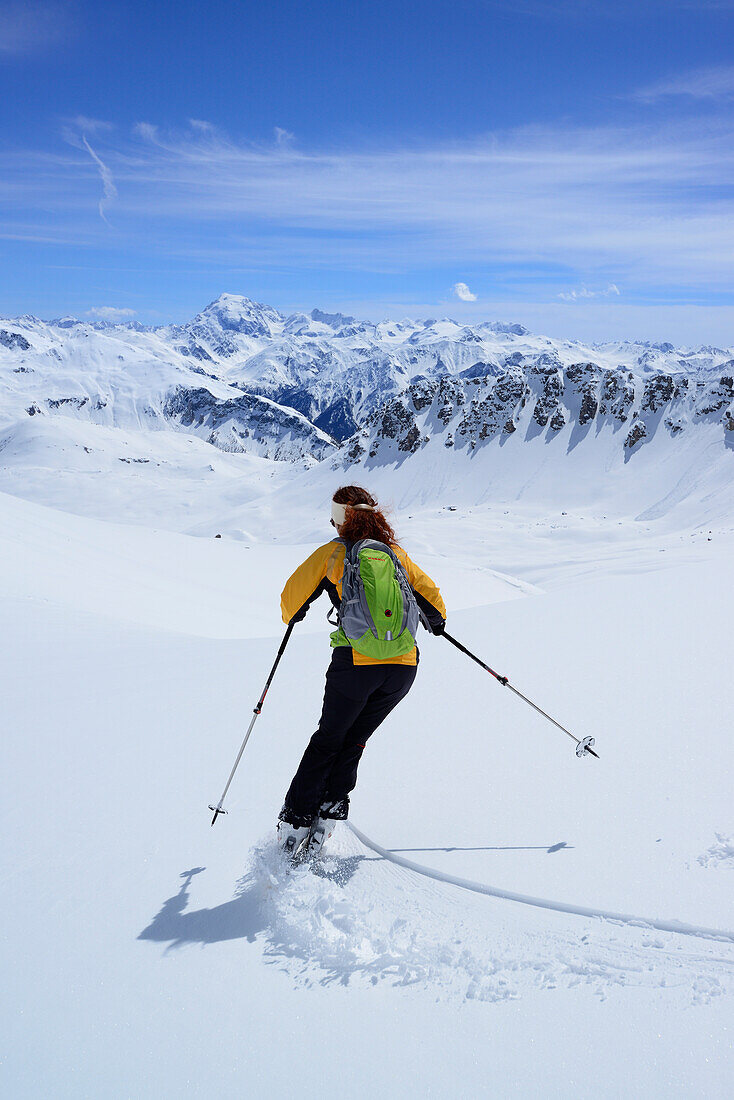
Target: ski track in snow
{"x": 721, "y": 851}
{"x": 361, "y": 918}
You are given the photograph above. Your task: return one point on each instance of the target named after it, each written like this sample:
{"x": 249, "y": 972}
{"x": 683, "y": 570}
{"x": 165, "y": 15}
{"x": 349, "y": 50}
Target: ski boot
{"x": 323, "y": 825}
{"x": 293, "y": 832}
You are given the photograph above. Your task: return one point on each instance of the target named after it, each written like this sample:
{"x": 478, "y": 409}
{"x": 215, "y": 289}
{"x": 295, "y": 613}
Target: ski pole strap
{"x": 502, "y": 679}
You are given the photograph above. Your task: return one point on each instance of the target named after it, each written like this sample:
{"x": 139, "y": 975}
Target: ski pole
{"x": 583, "y": 745}
{"x": 218, "y": 808}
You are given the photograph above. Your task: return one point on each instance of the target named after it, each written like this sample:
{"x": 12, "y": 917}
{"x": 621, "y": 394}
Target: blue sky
{"x": 565, "y": 163}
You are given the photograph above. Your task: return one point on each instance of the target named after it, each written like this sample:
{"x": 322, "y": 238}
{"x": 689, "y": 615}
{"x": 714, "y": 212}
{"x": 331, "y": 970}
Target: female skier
{"x": 361, "y": 689}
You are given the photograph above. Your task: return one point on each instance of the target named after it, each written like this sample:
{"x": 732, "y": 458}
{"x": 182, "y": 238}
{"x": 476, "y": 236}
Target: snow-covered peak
{"x": 507, "y": 329}
{"x": 234, "y": 313}
{"x": 302, "y": 324}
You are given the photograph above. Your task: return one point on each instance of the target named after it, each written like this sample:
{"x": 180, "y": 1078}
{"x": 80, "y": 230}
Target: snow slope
{"x": 146, "y": 954}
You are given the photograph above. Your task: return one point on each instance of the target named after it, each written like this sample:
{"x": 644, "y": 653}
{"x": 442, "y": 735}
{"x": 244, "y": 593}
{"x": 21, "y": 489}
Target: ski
{"x": 315, "y": 842}
{"x": 310, "y": 849}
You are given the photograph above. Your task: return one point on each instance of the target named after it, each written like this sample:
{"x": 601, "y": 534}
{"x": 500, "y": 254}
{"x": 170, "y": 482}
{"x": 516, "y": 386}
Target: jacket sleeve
{"x": 307, "y": 583}
{"x": 426, "y": 591}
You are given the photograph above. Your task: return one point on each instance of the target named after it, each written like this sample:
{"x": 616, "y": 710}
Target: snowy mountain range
{"x": 318, "y": 388}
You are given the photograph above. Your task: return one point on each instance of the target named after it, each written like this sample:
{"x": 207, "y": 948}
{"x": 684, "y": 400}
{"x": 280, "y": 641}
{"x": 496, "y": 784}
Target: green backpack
{"x": 378, "y": 615}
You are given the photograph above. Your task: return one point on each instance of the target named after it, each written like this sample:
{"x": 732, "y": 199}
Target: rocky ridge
{"x": 543, "y": 398}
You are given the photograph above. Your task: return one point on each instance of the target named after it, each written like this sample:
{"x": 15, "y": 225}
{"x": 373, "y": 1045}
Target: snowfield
{"x": 503, "y": 919}
{"x": 147, "y": 954}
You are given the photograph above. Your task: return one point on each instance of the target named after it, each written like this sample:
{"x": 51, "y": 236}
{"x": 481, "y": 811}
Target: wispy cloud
{"x": 643, "y": 206}
{"x": 610, "y": 200}
{"x": 87, "y": 125}
{"x": 461, "y": 290}
{"x": 74, "y": 131}
{"x": 610, "y": 291}
{"x": 27, "y": 27}
{"x": 109, "y": 190}
{"x": 283, "y": 138}
{"x": 710, "y": 83}
{"x": 110, "y": 313}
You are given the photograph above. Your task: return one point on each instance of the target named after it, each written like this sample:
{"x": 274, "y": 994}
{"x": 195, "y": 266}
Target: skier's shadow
{"x": 560, "y": 846}
{"x": 238, "y": 919}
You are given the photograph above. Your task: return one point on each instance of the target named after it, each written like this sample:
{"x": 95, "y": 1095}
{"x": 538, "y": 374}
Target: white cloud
{"x": 632, "y": 201}
{"x": 461, "y": 290}
{"x": 638, "y": 206}
{"x": 200, "y": 124}
{"x": 716, "y": 82}
{"x": 110, "y": 313}
{"x": 610, "y": 290}
{"x": 75, "y": 129}
{"x": 109, "y": 191}
{"x": 75, "y": 133}
{"x": 146, "y": 130}
{"x": 283, "y": 138}
{"x": 90, "y": 125}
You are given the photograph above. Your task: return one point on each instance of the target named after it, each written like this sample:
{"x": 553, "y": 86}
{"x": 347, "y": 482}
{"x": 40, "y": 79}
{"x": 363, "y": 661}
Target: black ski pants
{"x": 357, "y": 699}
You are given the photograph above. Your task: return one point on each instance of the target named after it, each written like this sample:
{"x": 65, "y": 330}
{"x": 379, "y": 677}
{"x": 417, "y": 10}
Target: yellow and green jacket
{"x": 322, "y": 572}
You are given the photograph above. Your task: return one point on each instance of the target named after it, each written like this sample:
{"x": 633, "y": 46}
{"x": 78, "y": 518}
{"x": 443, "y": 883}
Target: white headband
{"x": 339, "y": 511}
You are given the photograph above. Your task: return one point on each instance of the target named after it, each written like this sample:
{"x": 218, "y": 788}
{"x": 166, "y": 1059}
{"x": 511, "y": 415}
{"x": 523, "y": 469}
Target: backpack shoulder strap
{"x": 334, "y": 554}
{"x": 353, "y": 548}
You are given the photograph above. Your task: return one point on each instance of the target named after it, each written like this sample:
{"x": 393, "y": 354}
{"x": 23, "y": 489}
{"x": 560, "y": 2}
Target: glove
{"x": 439, "y": 627}
{"x": 299, "y": 616}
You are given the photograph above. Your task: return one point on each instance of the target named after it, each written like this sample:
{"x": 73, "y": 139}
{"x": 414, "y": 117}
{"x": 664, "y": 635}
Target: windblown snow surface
{"x": 149, "y": 955}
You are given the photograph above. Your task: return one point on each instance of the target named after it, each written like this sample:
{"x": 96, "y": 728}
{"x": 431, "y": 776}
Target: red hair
{"x": 361, "y": 524}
